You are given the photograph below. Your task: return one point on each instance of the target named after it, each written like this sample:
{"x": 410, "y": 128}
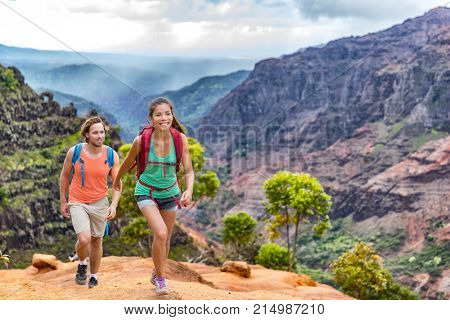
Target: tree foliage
{"x": 135, "y": 229}
{"x": 239, "y": 229}
{"x": 206, "y": 182}
{"x": 8, "y": 81}
{"x": 361, "y": 274}
{"x": 273, "y": 256}
{"x": 5, "y": 258}
{"x": 294, "y": 199}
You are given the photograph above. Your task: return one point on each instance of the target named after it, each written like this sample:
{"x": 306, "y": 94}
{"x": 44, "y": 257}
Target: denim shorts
{"x": 167, "y": 204}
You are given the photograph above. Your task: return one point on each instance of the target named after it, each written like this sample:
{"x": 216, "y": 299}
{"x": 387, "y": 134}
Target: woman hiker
{"x": 158, "y": 152}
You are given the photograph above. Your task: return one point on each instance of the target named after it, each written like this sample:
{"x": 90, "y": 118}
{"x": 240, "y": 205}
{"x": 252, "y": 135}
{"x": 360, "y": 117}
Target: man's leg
{"x": 82, "y": 249}
{"x": 98, "y": 212}
{"x": 82, "y": 245}
{"x": 96, "y": 254}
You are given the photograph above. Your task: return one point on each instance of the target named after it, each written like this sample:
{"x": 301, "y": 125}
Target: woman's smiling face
{"x": 162, "y": 117}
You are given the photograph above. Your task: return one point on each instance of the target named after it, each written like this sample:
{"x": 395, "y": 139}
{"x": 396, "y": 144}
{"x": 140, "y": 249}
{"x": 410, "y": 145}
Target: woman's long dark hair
{"x": 160, "y": 100}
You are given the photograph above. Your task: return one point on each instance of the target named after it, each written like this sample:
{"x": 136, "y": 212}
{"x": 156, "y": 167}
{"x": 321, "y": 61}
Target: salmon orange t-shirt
{"x": 96, "y": 173}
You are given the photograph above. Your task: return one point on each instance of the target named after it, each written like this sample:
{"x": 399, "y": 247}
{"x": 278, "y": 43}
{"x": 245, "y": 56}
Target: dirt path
{"x": 123, "y": 278}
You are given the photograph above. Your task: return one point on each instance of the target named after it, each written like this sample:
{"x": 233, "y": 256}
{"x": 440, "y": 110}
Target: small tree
{"x": 273, "y": 256}
{"x": 295, "y": 199}
{"x": 239, "y": 230}
{"x": 361, "y": 275}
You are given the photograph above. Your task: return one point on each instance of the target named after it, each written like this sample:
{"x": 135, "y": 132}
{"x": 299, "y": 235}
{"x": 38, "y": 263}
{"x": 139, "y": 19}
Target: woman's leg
{"x": 169, "y": 220}
{"x": 159, "y": 230}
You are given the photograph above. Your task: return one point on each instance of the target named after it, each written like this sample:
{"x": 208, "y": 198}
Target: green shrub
{"x": 8, "y": 81}
{"x": 360, "y": 274}
{"x": 135, "y": 231}
{"x": 273, "y": 256}
{"x": 238, "y": 230}
{"x": 4, "y": 258}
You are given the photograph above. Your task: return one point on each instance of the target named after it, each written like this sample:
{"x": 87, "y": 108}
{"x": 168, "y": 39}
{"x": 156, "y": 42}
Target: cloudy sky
{"x": 222, "y": 28}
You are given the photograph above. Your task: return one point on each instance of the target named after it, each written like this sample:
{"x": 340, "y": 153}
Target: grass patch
{"x": 377, "y": 148}
{"x": 430, "y": 135}
{"x": 432, "y": 259}
{"x": 395, "y": 128}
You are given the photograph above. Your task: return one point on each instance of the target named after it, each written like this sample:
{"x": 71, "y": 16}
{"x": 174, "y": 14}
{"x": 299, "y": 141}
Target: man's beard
{"x": 97, "y": 143}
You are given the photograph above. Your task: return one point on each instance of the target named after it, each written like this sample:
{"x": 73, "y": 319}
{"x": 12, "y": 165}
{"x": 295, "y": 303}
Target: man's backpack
{"x": 76, "y": 157}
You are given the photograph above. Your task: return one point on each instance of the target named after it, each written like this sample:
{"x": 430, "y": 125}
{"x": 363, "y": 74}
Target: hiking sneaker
{"x": 93, "y": 282}
{"x": 153, "y": 278}
{"x": 161, "y": 286}
{"x": 80, "y": 277}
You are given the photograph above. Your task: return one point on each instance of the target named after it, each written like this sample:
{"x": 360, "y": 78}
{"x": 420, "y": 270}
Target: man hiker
{"x": 88, "y": 206}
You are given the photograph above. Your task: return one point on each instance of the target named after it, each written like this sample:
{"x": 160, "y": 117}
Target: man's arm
{"x": 64, "y": 181}
{"x": 115, "y": 193}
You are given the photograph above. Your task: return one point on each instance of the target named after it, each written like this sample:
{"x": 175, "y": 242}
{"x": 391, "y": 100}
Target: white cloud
{"x": 257, "y": 28}
{"x": 367, "y": 9}
{"x": 80, "y": 30}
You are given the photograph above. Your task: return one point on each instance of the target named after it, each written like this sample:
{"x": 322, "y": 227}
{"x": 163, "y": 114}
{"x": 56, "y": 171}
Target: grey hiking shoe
{"x": 80, "y": 277}
{"x": 93, "y": 282}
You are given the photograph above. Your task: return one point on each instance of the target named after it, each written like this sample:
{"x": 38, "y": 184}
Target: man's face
{"x": 96, "y": 134}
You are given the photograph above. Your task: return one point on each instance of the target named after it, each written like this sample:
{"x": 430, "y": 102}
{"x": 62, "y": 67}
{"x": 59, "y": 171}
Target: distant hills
{"x": 193, "y": 101}
{"x": 117, "y": 82}
{"x": 82, "y": 105}
{"x": 183, "y": 71}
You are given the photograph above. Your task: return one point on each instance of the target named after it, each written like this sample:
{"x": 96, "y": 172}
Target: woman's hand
{"x": 186, "y": 198}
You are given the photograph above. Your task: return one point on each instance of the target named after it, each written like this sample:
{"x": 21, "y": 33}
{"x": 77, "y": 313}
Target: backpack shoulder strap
{"x": 76, "y": 153}
{"x": 110, "y": 157}
{"x": 75, "y": 158}
{"x": 178, "y": 141}
{"x": 146, "y": 136}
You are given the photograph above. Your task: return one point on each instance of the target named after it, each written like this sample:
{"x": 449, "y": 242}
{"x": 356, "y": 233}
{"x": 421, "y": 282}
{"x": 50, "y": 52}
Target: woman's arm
{"x": 115, "y": 193}
{"x": 189, "y": 177}
{"x": 127, "y": 163}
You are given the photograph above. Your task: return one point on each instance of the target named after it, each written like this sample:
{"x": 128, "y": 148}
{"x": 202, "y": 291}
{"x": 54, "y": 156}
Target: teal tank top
{"x": 159, "y": 175}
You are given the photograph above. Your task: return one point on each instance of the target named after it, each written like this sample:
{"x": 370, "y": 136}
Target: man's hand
{"x": 117, "y": 185}
{"x": 186, "y": 198}
{"x": 112, "y": 213}
{"x": 65, "y": 210}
